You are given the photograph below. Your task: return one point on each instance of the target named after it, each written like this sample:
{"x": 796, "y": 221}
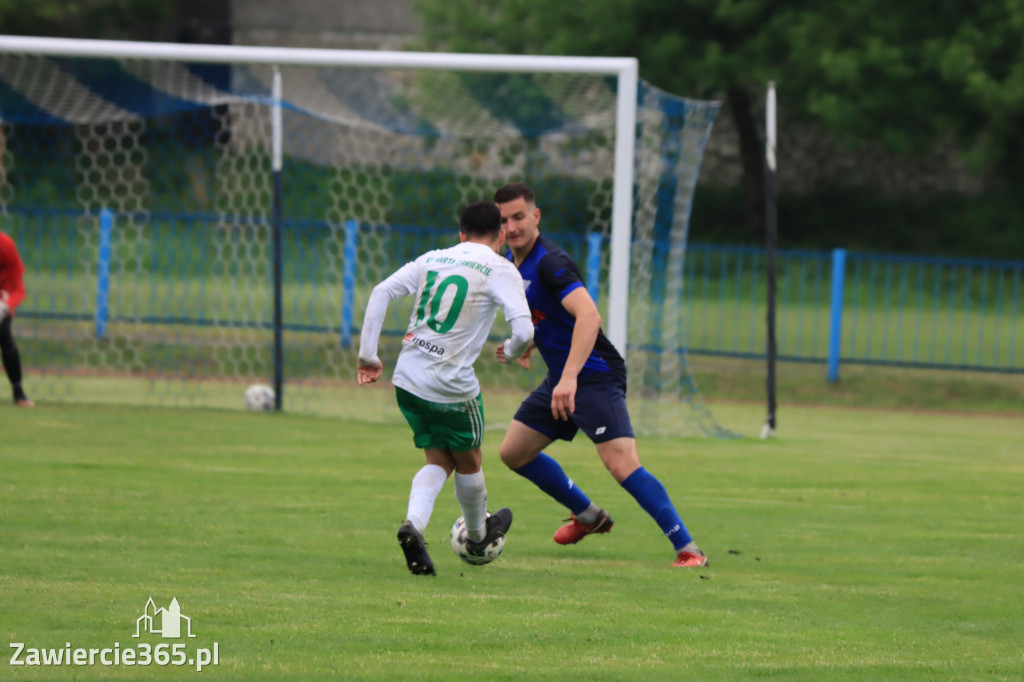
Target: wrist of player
{"x": 569, "y": 374}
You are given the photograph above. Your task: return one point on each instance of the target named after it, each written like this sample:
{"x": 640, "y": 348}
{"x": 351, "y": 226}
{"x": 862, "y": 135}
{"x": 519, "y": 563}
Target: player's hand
{"x": 524, "y": 359}
{"x": 499, "y": 352}
{"x": 563, "y": 398}
{"x": 368, "y": 373}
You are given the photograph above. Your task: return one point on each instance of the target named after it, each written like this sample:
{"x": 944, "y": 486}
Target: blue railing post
{"x": 348, "y": 281}
{"x": 103, "y": 273}
{"x": 836, "y": 327}
{"x": 594, "y": 264}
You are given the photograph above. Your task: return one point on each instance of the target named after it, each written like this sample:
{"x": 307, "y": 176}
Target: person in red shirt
{"x": 12, "y": 293}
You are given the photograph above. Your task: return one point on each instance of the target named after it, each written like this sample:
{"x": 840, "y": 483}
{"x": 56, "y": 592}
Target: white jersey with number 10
{"x": 458, "y": 293}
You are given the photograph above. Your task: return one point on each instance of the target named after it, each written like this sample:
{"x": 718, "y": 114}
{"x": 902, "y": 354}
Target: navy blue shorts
{"x": 600, "y": 410}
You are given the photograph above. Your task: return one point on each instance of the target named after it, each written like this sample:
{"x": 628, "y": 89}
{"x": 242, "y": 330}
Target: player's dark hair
{"x": 513, "y": 191}
{"x": 480, "y": 219}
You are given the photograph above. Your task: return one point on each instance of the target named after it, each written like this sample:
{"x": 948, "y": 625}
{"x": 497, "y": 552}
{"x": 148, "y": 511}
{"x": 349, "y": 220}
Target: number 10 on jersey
{"x": 434, "y": 301}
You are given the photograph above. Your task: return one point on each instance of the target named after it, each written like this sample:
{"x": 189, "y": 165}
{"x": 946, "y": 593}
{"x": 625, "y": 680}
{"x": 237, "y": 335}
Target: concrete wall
{"x": 341, "y": 24}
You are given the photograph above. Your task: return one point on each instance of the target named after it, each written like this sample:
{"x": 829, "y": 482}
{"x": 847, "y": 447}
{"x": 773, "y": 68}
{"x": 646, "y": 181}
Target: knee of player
{"x": 509, "y": 457}
{"x": 620, "y": 471}
{"x": 514, "y": 457}
{"x": 620, "y": 457}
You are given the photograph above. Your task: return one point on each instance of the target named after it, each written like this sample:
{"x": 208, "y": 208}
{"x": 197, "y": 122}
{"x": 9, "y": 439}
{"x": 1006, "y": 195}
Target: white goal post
{"x": 624, "y": 69}
{"x": 198, "y": 218}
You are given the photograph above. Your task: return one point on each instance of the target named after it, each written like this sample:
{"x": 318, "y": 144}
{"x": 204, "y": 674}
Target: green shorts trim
{"x": 453, "y": 426}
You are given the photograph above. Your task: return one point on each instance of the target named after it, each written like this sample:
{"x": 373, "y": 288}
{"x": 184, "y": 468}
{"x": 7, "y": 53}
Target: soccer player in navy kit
{"x": 585, "y": 388}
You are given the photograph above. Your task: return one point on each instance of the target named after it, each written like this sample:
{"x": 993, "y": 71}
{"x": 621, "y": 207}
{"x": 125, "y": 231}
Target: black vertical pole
{"x": 771, "y": 240}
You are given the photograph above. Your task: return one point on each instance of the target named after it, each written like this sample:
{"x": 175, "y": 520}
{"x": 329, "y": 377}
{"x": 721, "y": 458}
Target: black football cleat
{"x": 498, "y": 524}
{"x": 415, "y": 549}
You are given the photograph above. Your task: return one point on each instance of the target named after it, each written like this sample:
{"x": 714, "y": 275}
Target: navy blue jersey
{"x": 550, "y": 275}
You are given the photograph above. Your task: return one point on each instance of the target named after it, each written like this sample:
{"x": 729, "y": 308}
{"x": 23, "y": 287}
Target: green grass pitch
{"x": 856, "y": 545}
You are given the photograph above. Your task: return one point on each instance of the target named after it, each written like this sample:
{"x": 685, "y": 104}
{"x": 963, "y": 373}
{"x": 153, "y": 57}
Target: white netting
{"x": 167, "y": 165}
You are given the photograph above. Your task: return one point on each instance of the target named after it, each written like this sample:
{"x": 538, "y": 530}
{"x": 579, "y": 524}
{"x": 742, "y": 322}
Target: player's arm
{"x": 523, "y": 360}
{"x": 512, "y": 298}
{"x": 584, "y": 335}
{"x": 519, "y": 343}
{"x": 402, "y": 283}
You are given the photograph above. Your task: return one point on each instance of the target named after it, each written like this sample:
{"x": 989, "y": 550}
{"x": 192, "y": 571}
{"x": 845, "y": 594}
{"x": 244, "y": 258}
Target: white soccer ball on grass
{"x": 460, "y": 535}
{"x": 259, "y": 398}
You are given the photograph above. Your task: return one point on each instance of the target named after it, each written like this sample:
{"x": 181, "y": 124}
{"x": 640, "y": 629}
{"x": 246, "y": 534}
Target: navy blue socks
{"x": 651, "y": 494}
{"x": 547, "y": 474}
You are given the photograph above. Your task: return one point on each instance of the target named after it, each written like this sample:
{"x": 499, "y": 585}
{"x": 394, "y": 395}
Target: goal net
{"x": 152, "y": 198}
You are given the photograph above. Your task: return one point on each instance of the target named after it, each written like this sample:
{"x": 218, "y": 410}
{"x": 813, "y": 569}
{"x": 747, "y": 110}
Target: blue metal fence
{"x": 833, "y": 307}
{"x": 845, "y": 307}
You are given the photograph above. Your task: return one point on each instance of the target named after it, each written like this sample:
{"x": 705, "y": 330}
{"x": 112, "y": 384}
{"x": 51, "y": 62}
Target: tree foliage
{"x": 83, "y": 18}
{"x": 906, "y": 74}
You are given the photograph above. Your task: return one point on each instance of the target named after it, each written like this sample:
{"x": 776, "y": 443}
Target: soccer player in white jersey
{"x": 458, "y": 293}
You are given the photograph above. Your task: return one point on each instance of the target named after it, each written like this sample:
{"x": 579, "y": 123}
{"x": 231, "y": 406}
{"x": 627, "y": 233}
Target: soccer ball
{"x": 459, "y": 536}
{"x": 259, "y": 398}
